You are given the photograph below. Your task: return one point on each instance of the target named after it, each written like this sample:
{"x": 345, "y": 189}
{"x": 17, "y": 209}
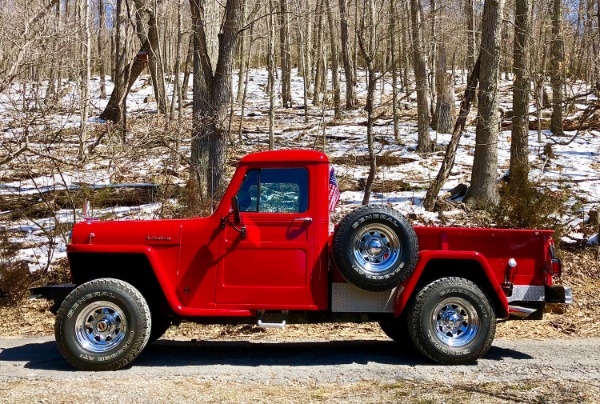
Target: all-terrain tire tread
{"x": 88, "y": 287}
{"x": 415, "y": 326}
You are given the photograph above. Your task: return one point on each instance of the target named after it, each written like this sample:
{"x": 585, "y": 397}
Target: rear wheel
{"x": 452, "y": 321}
{"x": 103, "y": 324}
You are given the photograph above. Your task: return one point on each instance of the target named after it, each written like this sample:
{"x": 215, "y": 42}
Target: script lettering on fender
{"x": 157, "y": 238}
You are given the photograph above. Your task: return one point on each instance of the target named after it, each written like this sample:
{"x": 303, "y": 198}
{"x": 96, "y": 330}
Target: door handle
{"x": 302, "y": 219}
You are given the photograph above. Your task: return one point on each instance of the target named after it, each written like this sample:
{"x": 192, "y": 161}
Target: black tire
{"x": 160, "y": 324}
{"x": 103, "y": 324}
{"x": 452, "y": 322}
{"x": 397, "y": 330}
{"x": 375, "y": 248}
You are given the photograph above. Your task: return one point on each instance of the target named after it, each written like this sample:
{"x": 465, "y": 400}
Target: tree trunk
{"x": 102, "y": 23}
{"x": 448, "y": 162}
{"x": 126, "y": 76}
{"x": 271, "y": 74}
{"x": 319, "y": 57}
{"x": 335, "y": 78}
{"x": 369, "y": 56}
{"x": 243, "y": 43}
{"x": 303, "y": 60}
{"x": 186, "y": 70}
{"x": 155, "y": 64}
{"x": 425, "y": 144}
{"x": 176, "y": 86}
{"x": 519, "y": 145}
{"x": 434, "y": 49}
{"x": 351, "y": 100}
{"x": 212, "y": 93}
{"x": 115, "y": 109}
{"x": 470, "y": 17}
{"x": 394, "y": 68}
{"x": 86, "y": 57}
{"x": 284, "y": 48}
{"x": 483, "y": 192}
{"x": 557, "y": 59}
{"x": 445, "y": 109}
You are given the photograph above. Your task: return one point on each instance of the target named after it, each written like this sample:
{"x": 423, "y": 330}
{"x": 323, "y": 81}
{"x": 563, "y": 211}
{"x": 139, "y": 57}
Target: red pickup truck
{"x": 268, "y": 255}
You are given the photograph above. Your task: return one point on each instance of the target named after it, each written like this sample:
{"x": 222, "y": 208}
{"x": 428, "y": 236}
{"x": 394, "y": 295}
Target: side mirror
{"x": 235, "y": 209}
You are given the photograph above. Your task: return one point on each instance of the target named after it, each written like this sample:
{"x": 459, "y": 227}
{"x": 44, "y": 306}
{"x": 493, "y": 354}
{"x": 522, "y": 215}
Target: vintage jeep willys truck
{"x": 268, "y": 255}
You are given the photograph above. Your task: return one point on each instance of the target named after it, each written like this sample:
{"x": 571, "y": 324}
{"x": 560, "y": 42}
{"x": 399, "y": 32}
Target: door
{"x": 269, "y": 268}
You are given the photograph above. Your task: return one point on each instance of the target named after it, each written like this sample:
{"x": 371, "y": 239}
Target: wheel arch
{"x": 469, "y": 265}
{"x": 133, "y": 268}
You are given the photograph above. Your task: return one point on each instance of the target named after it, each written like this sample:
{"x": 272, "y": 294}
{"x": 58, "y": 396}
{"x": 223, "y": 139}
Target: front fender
{"x": 160, "y": 271}
{"x": 406, "y": 290}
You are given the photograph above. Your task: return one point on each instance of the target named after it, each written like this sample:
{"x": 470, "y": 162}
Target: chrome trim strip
{"x": 520, "y": 312}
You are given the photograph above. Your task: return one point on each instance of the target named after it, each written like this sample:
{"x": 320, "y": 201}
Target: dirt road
{"x": 32, "y": 369}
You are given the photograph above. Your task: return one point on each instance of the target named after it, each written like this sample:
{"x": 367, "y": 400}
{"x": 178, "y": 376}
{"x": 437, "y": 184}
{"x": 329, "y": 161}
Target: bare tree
{"x": 483, "y": 192}
{"x": 335, "y": 78}
{"x": 85, "y": 76}
{"x": 351, "y": 99}
{"x": 368, "y": 52}
{"x": 420, "y": 67}
{"x": 212, "y": 93}
{"x": 448, "y": 162}
{"x": 271, "y": 75}
{"x": 557, "y": 56}
{"x": 445, "y": 108}
{"x": 470, "y": 18}
{"x": 394, "y": 68}
{"x": 519, "y": 146}
{"x": 115, "y": 110}
{"x": 285, "y": 56}
{"x": 100, "y": 44}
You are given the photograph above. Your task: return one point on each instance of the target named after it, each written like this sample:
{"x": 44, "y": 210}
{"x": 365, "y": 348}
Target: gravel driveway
{"x": 234, "y": 371}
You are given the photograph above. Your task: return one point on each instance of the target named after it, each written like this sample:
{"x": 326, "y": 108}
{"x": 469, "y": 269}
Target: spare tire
{"x": 375, "y": 248}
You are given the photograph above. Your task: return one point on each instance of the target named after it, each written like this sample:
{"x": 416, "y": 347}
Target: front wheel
{"x": 452, "y": 321}
{"x": 103, "y": 324}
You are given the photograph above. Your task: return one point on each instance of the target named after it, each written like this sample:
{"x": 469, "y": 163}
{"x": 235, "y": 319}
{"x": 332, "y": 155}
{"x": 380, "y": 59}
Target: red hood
{"x": 128, "y": 232}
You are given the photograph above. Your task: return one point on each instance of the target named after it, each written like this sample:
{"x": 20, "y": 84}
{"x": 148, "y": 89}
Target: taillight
{"x": 554, "y": 266}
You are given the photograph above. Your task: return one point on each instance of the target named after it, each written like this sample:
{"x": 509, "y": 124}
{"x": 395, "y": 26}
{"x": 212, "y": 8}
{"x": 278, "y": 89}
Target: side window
{"x": 274, "y": 190}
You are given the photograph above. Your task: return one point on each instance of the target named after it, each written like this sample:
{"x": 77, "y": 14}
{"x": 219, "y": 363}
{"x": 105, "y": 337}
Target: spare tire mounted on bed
{"x": 375, "y": 248}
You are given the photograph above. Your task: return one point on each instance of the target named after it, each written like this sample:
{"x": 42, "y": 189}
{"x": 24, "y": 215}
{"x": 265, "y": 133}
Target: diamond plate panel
{"x": 527, "y": 294}
{"x": 350, "y": 299}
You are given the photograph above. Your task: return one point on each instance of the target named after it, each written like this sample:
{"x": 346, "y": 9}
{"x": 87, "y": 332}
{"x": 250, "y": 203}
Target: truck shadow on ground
{"x": 45, "y": 355}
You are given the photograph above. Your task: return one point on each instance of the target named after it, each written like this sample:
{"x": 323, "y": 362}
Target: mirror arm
{"x": 225, "y": 220}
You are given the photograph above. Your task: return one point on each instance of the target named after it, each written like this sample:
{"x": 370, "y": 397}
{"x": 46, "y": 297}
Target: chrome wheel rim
{"x": 376, "y": 248}
{"x": 100, "y": 327}
{"x": 455, "y": 321}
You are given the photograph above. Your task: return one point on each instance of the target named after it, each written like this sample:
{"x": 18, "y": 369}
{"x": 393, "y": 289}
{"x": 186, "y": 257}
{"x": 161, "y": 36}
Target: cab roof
{"x": 312, "y": 156}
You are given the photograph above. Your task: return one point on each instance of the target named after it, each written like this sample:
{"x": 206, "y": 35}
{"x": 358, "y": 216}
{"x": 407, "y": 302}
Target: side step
{"x": 263, "y": 324}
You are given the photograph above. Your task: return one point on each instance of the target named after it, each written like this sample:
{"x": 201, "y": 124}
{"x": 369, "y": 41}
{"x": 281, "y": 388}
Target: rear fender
{"x": 426, "y": 273}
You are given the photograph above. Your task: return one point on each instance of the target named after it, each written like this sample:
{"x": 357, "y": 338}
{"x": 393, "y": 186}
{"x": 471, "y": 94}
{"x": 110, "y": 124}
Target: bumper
{"x": 529, "y": 310}
{"x": 58, "y": 293}
{"x": 559, "y": 294}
